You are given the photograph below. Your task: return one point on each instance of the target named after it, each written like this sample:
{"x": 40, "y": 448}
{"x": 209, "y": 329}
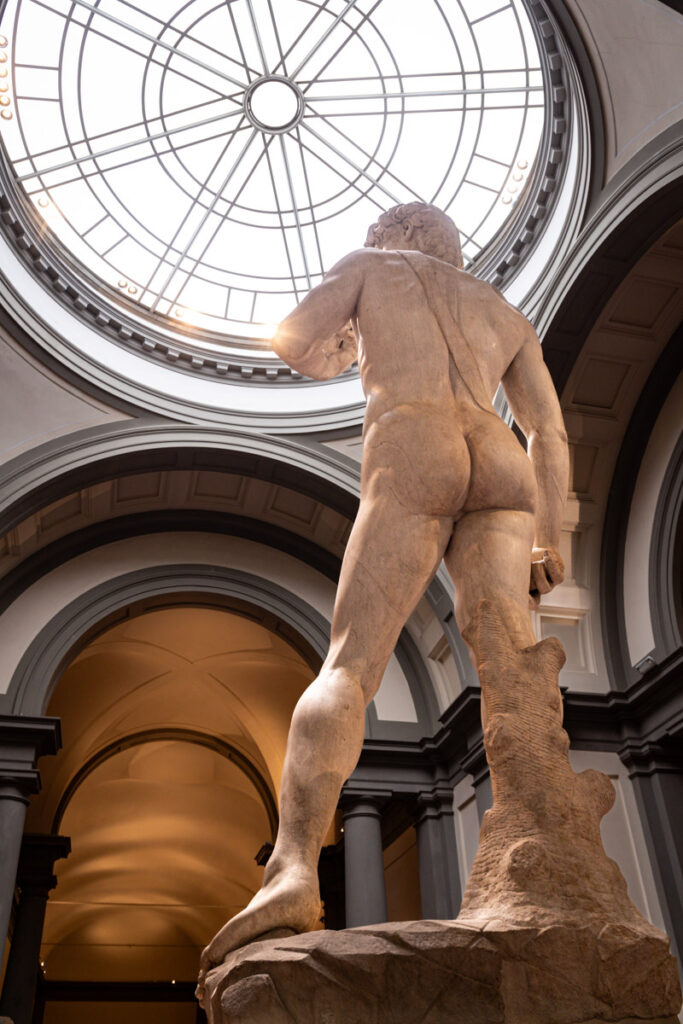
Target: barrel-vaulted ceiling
{"x": 174, "y": 726}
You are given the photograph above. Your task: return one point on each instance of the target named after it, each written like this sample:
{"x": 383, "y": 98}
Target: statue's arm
{"x": 534, "y": 404}
{"x": 318, "y": 338}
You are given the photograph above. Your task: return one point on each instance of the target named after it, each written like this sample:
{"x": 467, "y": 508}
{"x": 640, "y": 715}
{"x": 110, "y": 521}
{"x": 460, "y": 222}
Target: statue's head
{"x": 418, "y": 226}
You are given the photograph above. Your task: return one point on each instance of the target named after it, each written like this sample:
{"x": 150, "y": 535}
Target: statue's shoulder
{"x": 364, "y": 261}
{"x": 487, "y": 291}
{"x": 480, "y": 297}
{"x": 475, "y": 285}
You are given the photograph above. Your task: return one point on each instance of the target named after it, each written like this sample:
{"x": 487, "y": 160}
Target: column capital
{"x": 36, "y": 861}
{"x": 23, "y": 740}
{"x": 648, "y": 757}
{"x": 368, "y": 803}
{"x": 434, "y": 803}
{"x": 475, "y": 763}
{"x": 17, "y": 783}
{"x": 40, "y": 734}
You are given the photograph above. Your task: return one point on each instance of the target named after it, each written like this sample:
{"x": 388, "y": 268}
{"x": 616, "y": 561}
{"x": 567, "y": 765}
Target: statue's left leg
{"x": 391, "y": 556}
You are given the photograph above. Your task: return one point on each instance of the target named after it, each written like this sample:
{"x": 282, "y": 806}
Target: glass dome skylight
{"x": 209, "y": 161}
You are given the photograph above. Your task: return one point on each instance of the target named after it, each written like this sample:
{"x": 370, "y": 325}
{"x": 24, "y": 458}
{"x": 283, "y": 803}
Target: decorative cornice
{"x": 636, "y": 723}
{"x": 521, "y": 236}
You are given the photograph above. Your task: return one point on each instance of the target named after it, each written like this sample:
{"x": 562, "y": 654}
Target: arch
{"x": 628, "y": 223}
{"x": 215, "y": 743}
{"x": 576, "y": 45}
{"x": 100, "y": 607}
{"x": 56, "y": 469}
{"x": 136, "y": 524}
{"x": 70, "y": 629}
{"x": 614, "y": 533}
{"x": 32, "y": 481}
{"x": 664, "y": 585}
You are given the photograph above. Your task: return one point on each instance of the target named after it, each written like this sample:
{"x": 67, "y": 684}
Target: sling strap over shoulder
{"x": 459, "y": 348}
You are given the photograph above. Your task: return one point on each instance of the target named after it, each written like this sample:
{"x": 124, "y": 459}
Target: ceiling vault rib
{"x": 194, "y": 736}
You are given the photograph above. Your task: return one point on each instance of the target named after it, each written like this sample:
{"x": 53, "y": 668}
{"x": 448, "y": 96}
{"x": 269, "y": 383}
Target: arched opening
{"x": 678, "y": 573}
{"x": 175, "y": 721}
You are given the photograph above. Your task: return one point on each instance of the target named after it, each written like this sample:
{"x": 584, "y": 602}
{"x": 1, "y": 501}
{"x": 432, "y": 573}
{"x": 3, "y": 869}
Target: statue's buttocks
{"x": 447, "y": 461}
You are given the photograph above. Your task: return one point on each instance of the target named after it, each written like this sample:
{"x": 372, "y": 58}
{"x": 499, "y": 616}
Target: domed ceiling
{"x": 182, "y": 176}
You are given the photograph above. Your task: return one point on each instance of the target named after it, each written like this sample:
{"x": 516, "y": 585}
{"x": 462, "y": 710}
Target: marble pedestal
{"x": 546, "y": 932}
{"x": 437, "y": 972}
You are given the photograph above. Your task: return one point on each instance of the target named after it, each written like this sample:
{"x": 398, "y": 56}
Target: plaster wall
{"x": 622, "y": 832}
{"x": 37, "y": 406}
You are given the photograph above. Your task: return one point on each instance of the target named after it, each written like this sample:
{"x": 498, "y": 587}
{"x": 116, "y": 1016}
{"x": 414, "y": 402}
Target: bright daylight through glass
{"x": 211, "y": 160}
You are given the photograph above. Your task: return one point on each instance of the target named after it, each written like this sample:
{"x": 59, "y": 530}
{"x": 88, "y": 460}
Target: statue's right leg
{"x": 391, "y": 556}
{"x": 489, "y": 558}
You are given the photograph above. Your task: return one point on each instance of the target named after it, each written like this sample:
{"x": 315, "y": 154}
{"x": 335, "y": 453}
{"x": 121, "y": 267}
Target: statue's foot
{"x": 289, "y": 900}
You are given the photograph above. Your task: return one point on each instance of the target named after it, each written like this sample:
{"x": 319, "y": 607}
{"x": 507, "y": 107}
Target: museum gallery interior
{"x": 176, "y": 500}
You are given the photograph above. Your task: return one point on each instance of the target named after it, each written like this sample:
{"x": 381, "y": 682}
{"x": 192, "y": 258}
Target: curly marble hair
{"x": 436, "y": 234}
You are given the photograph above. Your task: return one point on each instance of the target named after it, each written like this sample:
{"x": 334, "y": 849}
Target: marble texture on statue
{"x": 443, "y": 477}
{"x": 546, "y": 934}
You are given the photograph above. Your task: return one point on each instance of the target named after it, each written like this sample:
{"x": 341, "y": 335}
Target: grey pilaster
{"x": 366, "y": 898}
{"x": 656, "y": 771}
{"x": 35, "y": 879}
{"x": 22, "y": 742}
{"x": 440, "y": 893}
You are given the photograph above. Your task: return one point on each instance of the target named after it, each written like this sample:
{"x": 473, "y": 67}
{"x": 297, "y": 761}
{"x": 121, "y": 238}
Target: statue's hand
{"x": 201, "y": 981}
{"x": 547, "y": 570}
{"x": 206, "y": 964}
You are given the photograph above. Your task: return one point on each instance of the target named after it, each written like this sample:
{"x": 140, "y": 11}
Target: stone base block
{"x": 438, "y": 972}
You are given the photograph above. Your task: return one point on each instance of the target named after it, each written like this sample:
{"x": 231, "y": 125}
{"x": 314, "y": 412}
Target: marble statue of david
{"x": 442, "y": 477}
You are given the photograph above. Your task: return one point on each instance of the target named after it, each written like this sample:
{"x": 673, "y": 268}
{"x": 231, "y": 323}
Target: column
{"x": 366, "y": 898}
{"x": 35, "y": 880}
{"x": 440, "y": 893}
{"x": 331, "y": 878}
{"x": 22, "y": 741}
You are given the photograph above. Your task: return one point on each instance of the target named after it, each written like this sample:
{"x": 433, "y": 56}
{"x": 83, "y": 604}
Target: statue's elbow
{"x": 279, "y": 344}
{"x": 548, "y": 436}
{"x": 561, "y": 435}
{"x": 285, "y": 346}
